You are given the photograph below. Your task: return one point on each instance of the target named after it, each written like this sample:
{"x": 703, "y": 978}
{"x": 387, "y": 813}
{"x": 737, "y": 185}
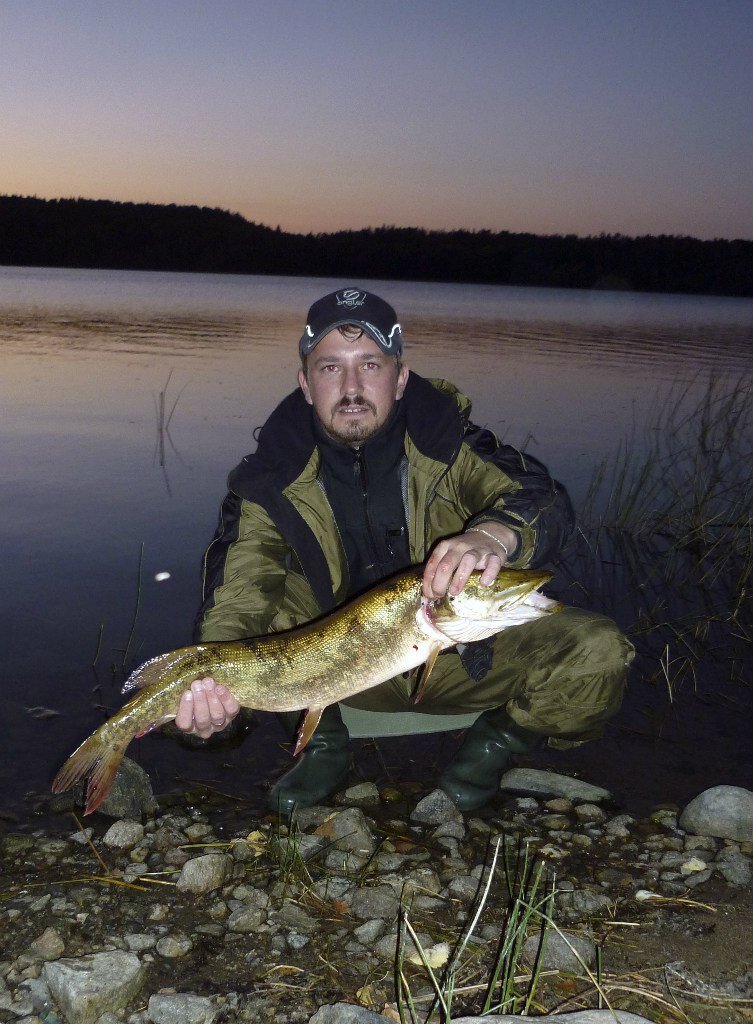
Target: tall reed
{"x": 665, "y": 541}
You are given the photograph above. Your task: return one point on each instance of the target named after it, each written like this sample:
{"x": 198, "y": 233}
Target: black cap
{"x": 353, "y": 306}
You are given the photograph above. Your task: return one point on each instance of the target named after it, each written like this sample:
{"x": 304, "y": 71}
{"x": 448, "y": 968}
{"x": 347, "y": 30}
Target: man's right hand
{"x": 206, "y": 708}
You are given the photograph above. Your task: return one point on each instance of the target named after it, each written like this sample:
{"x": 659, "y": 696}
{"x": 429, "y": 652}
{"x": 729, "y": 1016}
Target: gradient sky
{"x": 583, "y": 116}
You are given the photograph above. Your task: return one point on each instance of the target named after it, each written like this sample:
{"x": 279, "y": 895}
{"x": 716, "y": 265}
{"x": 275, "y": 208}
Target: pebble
{"x": 174, "y": 946}
{"x": 124, "y": 835}
{"x": 238, "y": 900}
{"x": 204, "y": 874}
{"x": 182, "y": 1008}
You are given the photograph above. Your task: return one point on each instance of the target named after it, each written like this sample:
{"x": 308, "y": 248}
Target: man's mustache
{"x": 356, "y": 402}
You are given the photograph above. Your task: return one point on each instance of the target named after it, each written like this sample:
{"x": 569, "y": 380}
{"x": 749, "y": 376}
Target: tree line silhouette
{"x": 145, "y": 236}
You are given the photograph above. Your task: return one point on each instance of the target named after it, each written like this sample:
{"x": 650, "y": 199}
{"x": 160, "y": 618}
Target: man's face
{"x": 352, "y": 385}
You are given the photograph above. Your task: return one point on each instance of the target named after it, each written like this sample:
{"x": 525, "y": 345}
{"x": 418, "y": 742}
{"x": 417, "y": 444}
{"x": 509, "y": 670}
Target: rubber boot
{"x": 488, "y": 748}
{"x": 320, "y": 768}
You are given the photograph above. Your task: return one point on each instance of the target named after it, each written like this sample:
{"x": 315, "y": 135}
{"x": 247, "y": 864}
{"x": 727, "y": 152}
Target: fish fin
{"x": 425, "y": 672}
{"x": 98, "y": 761}
{"x": 307, "y": 728}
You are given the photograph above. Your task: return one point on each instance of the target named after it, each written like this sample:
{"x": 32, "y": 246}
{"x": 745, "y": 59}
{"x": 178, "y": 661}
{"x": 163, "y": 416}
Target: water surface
{"x": 96, "y": 499}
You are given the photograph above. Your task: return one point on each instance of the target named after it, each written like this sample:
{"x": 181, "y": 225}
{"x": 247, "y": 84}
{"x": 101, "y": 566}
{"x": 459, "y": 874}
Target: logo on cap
{"x": 351, "y": 298}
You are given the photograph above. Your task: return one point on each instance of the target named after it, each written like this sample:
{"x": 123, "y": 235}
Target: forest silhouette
{"x": 144, "y": 236}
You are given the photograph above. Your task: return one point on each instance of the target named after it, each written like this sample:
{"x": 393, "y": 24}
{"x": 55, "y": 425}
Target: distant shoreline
{"x": 107, "y": 235}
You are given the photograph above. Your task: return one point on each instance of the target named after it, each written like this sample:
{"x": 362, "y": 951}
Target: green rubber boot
{"x": 322, "y": 765}
{"x": 487, "y": 751}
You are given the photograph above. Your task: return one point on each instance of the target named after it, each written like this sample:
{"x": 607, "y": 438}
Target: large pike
{"x": 389, "y": 630}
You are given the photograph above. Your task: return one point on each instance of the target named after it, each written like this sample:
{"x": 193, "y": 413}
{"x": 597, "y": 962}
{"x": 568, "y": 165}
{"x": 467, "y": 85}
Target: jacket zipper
{"x": 359, "y": 470}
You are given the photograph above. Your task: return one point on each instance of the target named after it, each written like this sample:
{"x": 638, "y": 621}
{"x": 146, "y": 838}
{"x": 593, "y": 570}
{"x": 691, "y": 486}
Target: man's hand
{"x": 453, "y": 560}
{"x": 206, "y": 708}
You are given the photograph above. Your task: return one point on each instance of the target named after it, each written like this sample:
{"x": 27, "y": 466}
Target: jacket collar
{"x": 435, "y": 417}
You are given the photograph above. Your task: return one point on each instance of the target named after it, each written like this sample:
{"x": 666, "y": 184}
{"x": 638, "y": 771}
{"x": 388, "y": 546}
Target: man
{"x": 368, "y": 468}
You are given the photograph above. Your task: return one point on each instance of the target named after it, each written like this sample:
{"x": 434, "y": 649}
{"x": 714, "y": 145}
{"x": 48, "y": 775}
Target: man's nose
{"x": 351, "y": 381}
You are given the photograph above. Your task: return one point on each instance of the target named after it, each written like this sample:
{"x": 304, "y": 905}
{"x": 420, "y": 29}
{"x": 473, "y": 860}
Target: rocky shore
{"x": 188, "y": 914}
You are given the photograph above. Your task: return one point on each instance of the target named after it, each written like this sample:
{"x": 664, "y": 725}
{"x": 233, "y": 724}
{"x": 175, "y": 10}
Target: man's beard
{"x": 358, "y": 430}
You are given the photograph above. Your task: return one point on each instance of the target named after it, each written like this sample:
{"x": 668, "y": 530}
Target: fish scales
{"x": 389, "y": 630}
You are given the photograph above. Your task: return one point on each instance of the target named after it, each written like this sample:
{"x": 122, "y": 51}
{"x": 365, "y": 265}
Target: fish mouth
{"x": 477, "y": 619}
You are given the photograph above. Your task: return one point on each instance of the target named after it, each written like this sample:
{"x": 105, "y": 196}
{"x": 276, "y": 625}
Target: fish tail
{"x": 97, "y": 760}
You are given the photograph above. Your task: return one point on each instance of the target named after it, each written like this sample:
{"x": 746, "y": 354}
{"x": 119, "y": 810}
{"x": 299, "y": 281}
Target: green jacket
{"x": 276, "y": 559}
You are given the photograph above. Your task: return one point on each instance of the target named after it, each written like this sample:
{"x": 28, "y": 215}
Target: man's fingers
{"x": 184, "y": 718}
{"x": 217, "y": 714}
{"x": 206, "y": 708}
{"x": 450, "y": 565}
{"x": 491, "y": 570}
{"x": 462, "y": 573}
{"x": 229, "y": 703}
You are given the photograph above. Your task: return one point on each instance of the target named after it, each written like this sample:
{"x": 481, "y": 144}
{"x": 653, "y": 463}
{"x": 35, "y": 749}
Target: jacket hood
{"x": 436, "y": 415}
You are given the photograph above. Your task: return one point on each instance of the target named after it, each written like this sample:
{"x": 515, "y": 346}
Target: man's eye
{"x": 371, "y": 366}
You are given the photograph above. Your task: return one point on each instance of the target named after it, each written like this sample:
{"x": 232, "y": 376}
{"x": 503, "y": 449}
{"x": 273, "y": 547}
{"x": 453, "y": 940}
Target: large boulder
{"x": 722, "y": 811}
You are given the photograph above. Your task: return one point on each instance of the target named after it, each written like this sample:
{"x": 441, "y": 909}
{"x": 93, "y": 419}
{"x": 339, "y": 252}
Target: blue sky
{"x": 581, "y": 116}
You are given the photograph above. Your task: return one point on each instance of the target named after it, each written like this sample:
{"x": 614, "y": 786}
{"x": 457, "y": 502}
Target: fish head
{"x": 479, "y": 611}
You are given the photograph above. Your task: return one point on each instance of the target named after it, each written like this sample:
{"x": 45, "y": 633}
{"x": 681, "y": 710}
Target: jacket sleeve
{"x": 540, "y": 503}
{"x": 244, "y": 574}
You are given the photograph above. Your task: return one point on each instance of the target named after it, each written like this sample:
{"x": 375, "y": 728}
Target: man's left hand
{"x": 452, "y": 561}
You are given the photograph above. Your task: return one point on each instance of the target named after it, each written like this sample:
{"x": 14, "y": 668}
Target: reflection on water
{"x": 92, "y": 471}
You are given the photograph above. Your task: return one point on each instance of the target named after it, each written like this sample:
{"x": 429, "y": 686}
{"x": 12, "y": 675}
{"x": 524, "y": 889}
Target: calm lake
{"x": 97, "y": 499}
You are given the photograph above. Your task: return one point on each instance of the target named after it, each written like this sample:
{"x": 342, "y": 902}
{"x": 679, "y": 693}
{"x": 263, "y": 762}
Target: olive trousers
{"x": 562, "y": 676}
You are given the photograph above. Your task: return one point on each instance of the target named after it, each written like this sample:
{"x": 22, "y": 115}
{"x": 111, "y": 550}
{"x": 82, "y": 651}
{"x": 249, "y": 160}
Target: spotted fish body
{"x": 390, "y": 629}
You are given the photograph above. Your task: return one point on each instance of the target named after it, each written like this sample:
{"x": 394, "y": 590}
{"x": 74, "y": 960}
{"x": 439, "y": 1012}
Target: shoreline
{"x": 259, "y": 922}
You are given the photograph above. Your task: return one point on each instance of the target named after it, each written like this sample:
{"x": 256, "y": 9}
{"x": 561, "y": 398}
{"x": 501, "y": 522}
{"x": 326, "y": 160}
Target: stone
{"x": 374, "y": 901}
{"x": 722, "y": 811}
{"x": 204, "y": 874}
{"x": 370, "y": 931}
{"x": 734, "y": 866}
{"x": 138, "y": 942}
{"x": 536, "y": 782}
{"x": 82, "y": 837}
{"x": 559, "y": 805}
{"x": 167, "y": 837}
{"x": 48, "y": 946}
{"x": 590, "y": 812}
{"x": 464, "y": 887}
{"x": 585, "y": 902}
{"x": 435, "y": 809}
{"x": 562, "y": 952}
{"x": 691, "y": 881}
{"x": 347, "y": 863}
{"x": 131, "y": 795}
{"x": 198, "y": 831}
{"x": 246, "y": 919}
{"x": 618, "y": 826}
{"x": 86, "y": 987}
{"x": 386, "y": 946}
{"x": 345, "y": 1013}
{"x": 172, "y": 947}
{"x": 16, "y": 844}
{"x": 449, "y": 829}
{"x": 181, "y": 1008}
{"x": 349, "y": 830}
{"x": 555, "y": 822}
{"x": 294, "y": 916}
{"x": 692, "y": 865}
{"x": 123, "y": 834}
{"x": 365, "y": 794}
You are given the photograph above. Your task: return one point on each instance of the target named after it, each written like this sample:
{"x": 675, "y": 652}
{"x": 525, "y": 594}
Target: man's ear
{"x": 304, "y": 386}
{"x": 402, "y": 380}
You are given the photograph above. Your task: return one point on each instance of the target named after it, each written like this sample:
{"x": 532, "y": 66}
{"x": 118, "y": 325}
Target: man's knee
{"x": 598, "y": 642}
{"x": 580, "y": 679}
